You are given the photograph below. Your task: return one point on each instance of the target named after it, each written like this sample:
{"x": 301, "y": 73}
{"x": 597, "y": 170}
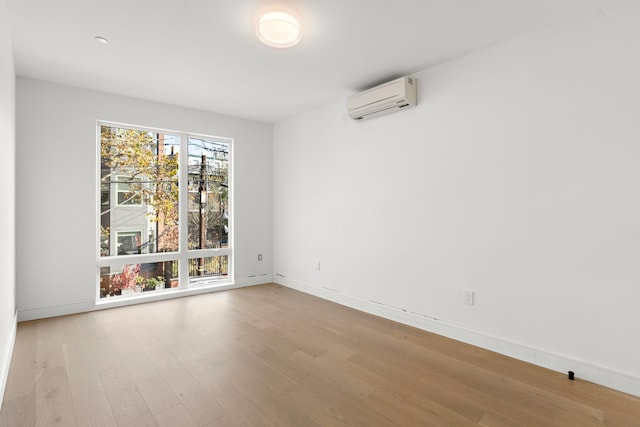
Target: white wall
{"x": 516, "y": 176}
{"x": 7, "y": 199}
{"x": 56, "y": 187}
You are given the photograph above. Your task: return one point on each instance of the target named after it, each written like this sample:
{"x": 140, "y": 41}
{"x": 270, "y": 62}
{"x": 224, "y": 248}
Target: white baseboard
{"x": 33, "y": 313}
{"x": 260, "y": 279}
{"x": 557, "y": 362}
{"x": 5, "y": 359}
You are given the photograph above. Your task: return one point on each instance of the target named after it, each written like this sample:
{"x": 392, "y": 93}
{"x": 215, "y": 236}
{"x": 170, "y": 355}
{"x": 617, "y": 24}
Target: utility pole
{"x": 203, "y": 210}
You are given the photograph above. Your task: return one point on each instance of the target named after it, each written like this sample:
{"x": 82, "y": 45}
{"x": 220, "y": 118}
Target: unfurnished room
{"x": 319, "y": 213}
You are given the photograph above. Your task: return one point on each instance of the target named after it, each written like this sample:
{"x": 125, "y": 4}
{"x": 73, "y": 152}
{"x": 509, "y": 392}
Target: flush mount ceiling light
{"x": 101, "y": 40}
{"x": 278, "y": 29}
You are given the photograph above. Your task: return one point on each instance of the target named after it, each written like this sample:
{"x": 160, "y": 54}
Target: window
{"x": 203, "y": 270}
{"x": 208, "y": 218}
{"x": 129, "y": 190}
{"x": 171, "y": 239}
{"x": 129, "y": 242}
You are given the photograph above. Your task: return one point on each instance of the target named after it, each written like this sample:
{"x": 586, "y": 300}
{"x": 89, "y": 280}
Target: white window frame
{"x": 183, "y": 254}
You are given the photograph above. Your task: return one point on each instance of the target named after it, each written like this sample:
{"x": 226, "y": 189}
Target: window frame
{"x": 183, "y": 254}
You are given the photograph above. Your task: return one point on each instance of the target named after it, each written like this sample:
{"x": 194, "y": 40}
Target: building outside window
{"x": 129, "y": 242}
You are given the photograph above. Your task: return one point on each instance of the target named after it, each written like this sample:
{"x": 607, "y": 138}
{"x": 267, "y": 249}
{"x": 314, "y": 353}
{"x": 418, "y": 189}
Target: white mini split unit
{"x": 387, "y": 98}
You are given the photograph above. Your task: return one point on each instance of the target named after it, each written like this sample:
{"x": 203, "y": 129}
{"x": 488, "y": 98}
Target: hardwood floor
{"x": 268, "y": 355}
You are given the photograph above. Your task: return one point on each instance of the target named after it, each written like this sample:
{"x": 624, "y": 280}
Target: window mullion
{"x": 183, "y": 214}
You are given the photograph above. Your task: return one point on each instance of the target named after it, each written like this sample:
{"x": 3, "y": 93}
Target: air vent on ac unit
{"x": 383, "y": 99}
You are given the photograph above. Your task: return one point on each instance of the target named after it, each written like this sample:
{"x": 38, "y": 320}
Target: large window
{"x": 153, "y": 235}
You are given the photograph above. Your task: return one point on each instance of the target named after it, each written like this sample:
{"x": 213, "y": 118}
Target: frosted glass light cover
{"x": 278, "y": 29}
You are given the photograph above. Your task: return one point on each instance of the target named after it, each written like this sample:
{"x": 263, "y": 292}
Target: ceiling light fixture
{"x": 101, "y": 40}
{"x": 278, "y": 29}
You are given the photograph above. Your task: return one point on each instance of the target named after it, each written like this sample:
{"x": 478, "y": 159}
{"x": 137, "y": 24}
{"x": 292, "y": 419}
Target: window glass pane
{"x": 131, "y": 279}
{"x": 139, "y": 191}
{"x": 129, "y": 242}
{"x": 208, "y": 201}
{"x": 207, "y": 269}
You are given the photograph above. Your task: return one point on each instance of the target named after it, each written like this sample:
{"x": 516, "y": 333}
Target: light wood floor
{"x": 267, "y": 355}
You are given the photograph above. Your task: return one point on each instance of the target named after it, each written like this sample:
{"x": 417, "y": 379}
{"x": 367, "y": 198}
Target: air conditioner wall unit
{"x": 383, "y": 99}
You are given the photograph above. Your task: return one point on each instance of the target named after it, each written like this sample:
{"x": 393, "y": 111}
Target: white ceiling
{"x": 204, "y": 54}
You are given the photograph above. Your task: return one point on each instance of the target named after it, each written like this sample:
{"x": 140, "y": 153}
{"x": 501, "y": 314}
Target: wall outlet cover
{"x": 468, "y": 297}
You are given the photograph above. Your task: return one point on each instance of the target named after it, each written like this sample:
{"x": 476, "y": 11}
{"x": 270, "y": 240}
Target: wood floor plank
{"x": 158, "y": 395}
{"x": 217, "y": 381}
{"x": 321, "y": 400}
{"x": 127, "y": 404}
{"x": 54, "y": 403}
{"x": 329, "y": 368}
{"x": 447, "y": 390}
{"x": 202, "y": 407}
{"x": 176, "y": 416}
{"x": 19, "y": 411}
{"x": 492, "y": 420}
{"x": 23, "y": 373}
{"x": 407, "y": 412}
{"x": 334, "y": 408}
{"x": 89, "y": 399}
{"x": 427, "y": 362}
{"x": 249, "y": 417}
{"x": 268, "y": 355}
{"x": 273, "y": 405}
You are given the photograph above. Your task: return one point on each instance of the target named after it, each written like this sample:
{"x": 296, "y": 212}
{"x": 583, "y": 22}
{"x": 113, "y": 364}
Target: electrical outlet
{"x": 468, "y": 297}
{"x": 259, "y": 257}
{"x": 317, "y": 265}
